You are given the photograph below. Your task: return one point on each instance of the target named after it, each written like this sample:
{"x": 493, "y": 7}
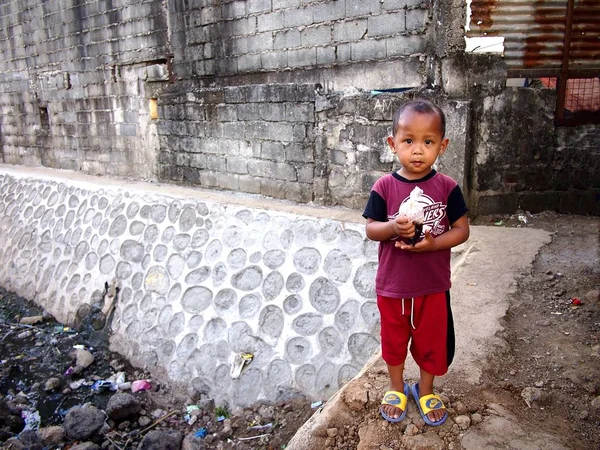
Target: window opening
{"x": 44, "y": 118}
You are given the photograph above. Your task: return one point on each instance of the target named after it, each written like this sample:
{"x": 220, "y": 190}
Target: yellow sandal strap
{"x": 430, "y": 403}
{"x": 395, "y": 398}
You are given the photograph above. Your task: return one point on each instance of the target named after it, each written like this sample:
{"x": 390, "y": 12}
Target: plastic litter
{"x": 576, "y": 302}
{"x": 220, "y": 418}
{"x": 239, "y": 362}
{"x": 140, "y": 385}
{"x": 102, "y": 385}
{"x": 201, "y": 433}
{"x": 316, "y": 404}
{"x": 76, "y": 384}
{"x": 32, "y": 419}
{"x": 261, "y": 427}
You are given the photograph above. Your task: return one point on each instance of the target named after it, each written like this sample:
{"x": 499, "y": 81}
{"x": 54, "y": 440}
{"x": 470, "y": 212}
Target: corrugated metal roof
{"x": 534, "y": 32}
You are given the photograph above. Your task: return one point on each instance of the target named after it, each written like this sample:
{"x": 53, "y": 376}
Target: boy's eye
{"x": 428, "y": 142}
{"x": 408, "y": 141}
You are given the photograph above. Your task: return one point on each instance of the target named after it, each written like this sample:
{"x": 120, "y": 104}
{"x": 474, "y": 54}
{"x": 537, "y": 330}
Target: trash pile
{"x": 59, "y": 389}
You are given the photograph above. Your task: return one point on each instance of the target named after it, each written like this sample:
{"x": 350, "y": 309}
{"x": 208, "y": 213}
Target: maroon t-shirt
{"x": 403, "y": 274}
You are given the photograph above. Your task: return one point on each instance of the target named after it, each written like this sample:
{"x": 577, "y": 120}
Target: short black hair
{"x": 421, "y": 106}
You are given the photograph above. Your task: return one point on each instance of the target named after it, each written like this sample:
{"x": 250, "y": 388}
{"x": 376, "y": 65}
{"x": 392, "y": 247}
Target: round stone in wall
{"x": 247, "y": 279}
{"x": 219, "y": 273}
{"x": 167, "y": 235}
{"x": 174, "y": 294}
{"x": 150, "y": 317}
{"x": 194, "y": 258}
{"x": 132, "y": 210}
{"x": 279, "y": 374}
{"x": 132, "y": 251}
{"x": 187, "y": 346}
{"x": 175, "y": 265}
{"x": 324, "y": 295}
{"x": 53, "y": 199}
{"x": 294, "y": 283}
{"x": 271, "y": 321}
{"x": 249, "y": 305}
{"x": 273, "y": 285}
{"x": 176, "y": 324}
{"x": 198, "y": 276}
{"x": 202, "y": 209}
{"x": 255, "y": 257}
{"x": 346, "y": 316}
{"x": 330, "y": 231}
{"x": 195, "y": 323}
{"x": 286, "y": 239}
{"x": 292, "y": 304}
{"x": 236, "y": 258}
{"x": 107, "y": 264}
{"x": 136, "y": 228}
{"x": 114, "y": 246}
{"x": 181, "y": 241}
{"x": 174, "y": 211}
{"x": 151, "y": 234}
{"x": 215, "y": 330}
{"x": 305, "y": 231}
{"x": 330, "y": 342}
{"x": 157, "y": 280}
{"x": 124, "y": 270}
{"x": 326, "y": 381}
{"x": 307, "y": 260}
{"x": 117, "y": 210}
{"x": 337, "y": 266}
{"x": 308, "y": 324}
{"x": 160, "y": 253}
{"x": 370, "y": 313}
{"x": 103, "y": 247}
{"x": 213, "y": 251}
{"x": 104, "y": 227}
{"x": 298, "y": 350}
{"x": 232, "y": 236}
{"x": 137, "y": 280}
{"x": 306, "y": 376}
{"x": 274, "y": 259}
{"x": 166, "y": 350}
{"x": 187, "y": 219}
{"x": 270, "y": 240}
{"x": 351, "y": 242}
{"x": 158, "y": 213}
{"x": 80, "y": 251}
{"x": 73, "y": 283}
{"x": 245, "y": 216}
{"x": 225, "y": 299}
{"x": 73, "y": 201}
{"x": 118, "y": 226}
{"x": 370, "y": 249}
{"x": 90, "y": 260}
{"x": 69, "y": 219}
{"x": 362, "y": 346}
{"x": 165, "y": 315}
{"x": 364, "y": 280}
{"x": 196, "y": 299}
{"x": 97, "y": 220}
{"x": 205, "y": 359}
{"x": 145, "y": 212}
{"x": 247, "y": 387}
{"x": 199, "y": 238}
{"x": 347, "y": 373}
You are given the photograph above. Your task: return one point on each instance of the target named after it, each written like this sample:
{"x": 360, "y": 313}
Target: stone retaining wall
{"x": 198, "y": 281}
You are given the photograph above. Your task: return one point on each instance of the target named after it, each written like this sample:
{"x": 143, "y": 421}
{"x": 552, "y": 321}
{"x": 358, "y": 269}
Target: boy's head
{"x": 418, "y": 137}
{"x": 420, "y": 106}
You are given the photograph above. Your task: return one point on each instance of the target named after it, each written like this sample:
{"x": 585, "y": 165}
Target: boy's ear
{"x": 390, "y": 141}
{"x": 444, "y": 146}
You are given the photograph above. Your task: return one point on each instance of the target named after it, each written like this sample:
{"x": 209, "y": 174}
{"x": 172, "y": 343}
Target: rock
{"x": 226, "y": 431}
{"x": 355, "y": 397}
{"x": 51, "y": 435}
{"x": 463, "y": 421}
{"x": 193, "y": 443}
{"x": 534, "y": 396}
{"x": 122, "y": 405}
{"x": 426, "y": 441}
{"x": 332, "y": 432}
{"x": 84, "y": 358}
{"x": 31, "y": 320}
{"x": 52, "y": 384}
{"x": 596, "y": 403}
{"x": 14, "y": 444}
{"x": 593, "y": 296}
{"x": 161, "y": 440}
{"x": 411, "y": 430}
{"x": 85, "y": 446}
{"x": 476, "y": 418}
{"x": 144, "y": 421}
{"x": 460, "y": 408}
{"x": 82, "y": 422}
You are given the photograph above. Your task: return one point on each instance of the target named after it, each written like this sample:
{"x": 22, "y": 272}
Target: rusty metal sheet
{"x": 534, "y": 31}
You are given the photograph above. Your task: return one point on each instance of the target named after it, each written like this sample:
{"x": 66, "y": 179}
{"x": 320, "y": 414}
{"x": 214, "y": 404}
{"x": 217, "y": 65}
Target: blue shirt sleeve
{"x": 376, "y": 208}
{"x": 457, "y": 207}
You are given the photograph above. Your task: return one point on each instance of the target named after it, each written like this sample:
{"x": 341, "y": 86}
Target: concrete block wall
{"x": 72, "y": 83}
{"x": 235, "y": 37}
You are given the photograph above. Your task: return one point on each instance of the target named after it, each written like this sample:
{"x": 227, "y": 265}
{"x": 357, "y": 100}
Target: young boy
{"x": 413, "y": 281}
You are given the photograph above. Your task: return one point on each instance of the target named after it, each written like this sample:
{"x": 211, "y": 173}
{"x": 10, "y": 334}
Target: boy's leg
{"x": 396, "y": 384}
{"x": 426, "y": 388}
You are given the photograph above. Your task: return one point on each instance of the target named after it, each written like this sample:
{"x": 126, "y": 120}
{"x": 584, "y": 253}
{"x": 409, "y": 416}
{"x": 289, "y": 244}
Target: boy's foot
{"x": 432, "y": 409}
{"x": 394, "y": 403}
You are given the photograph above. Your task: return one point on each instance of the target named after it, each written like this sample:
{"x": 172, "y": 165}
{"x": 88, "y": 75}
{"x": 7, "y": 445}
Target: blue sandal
{"x": 397, "y": 399}
{"x": 428, "y": 403}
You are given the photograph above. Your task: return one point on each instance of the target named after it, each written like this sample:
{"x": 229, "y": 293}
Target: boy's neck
{"x": 413, "y": 176}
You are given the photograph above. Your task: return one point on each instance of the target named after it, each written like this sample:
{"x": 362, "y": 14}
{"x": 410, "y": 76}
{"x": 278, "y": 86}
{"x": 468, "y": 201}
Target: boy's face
{"x": 417, "y": 143}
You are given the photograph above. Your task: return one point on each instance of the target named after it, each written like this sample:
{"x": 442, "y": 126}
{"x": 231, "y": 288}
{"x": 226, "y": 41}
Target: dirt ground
{"x": 552, "y": 344}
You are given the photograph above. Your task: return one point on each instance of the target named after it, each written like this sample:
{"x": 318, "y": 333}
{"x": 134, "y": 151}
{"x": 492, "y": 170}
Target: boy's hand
{"x": 403, "y": 228}
{"x": 427, "y": 244}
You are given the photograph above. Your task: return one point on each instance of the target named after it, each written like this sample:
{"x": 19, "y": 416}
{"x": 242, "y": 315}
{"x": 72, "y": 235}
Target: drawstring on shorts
{"x": 412, "y": 312}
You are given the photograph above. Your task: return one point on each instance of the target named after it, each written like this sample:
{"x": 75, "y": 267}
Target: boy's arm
{"x": 383, "y": 231}
{"x": 457, "y": 234}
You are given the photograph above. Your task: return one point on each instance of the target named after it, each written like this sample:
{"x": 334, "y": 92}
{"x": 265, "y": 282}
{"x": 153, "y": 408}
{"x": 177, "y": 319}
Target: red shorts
{"x": 424, "y": 321}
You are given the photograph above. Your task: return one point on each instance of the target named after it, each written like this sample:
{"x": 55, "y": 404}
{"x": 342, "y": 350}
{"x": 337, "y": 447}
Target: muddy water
{"x": 30, "y": 355}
